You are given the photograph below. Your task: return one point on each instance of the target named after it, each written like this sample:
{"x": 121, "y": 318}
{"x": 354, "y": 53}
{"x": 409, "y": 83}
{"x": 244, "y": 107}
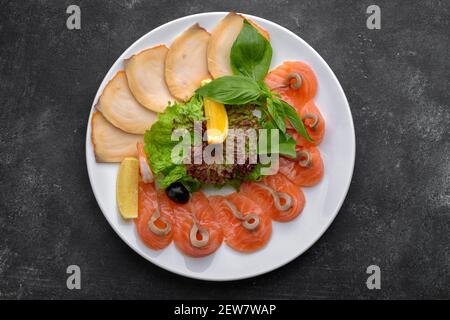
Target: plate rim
{"x": 199, "y": 276}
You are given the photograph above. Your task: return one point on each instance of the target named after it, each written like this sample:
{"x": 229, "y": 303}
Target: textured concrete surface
{"x": 396, "y": 215}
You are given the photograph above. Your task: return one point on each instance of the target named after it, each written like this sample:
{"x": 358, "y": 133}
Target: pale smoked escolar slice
{"x": 110, "y": 143}
{"x": 145, "y": 75}
{"x": 118, "y": 106}
{"x": 222, "y": 39}
{"x": 186, "y": 64}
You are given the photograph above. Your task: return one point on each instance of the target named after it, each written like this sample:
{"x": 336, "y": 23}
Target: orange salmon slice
{"x": 237, "y": 235}
{"x": 304, "y": 176}
{"x": 314, "y": 124}
{"x": 198, "y": 215}
{"x": 291, "y": 197}
{"x": 278, "y": 80}
{"x": 154, "y": 223}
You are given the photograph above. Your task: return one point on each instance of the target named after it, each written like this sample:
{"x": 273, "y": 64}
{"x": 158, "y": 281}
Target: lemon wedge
{"x": 127, "y": 188}
{"x": 216, "y": 121}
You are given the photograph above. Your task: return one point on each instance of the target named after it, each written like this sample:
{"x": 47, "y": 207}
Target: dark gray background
{"x": 396, "y": 214}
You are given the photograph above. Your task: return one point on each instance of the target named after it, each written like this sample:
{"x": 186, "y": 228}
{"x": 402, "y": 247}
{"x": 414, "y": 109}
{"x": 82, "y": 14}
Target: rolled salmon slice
{"x": 246, "y": 228}
{"x": 154, "y": 223}
{"x": 314, "y": 124}
{"x": 222, "y": 39}
{"x": 145, "y": 75}
{"x": 295, "y": 81}
{"x": 293, "y": 205}
{"x": 197, "y": 230}
{"x": 260, "y": 195}
{"x": 305, "y": 172}
{"x": 186, "y": 64}
{"x": 277, "y": 196}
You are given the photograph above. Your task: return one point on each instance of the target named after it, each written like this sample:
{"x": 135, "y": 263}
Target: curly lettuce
{"x": 159, "y": 143}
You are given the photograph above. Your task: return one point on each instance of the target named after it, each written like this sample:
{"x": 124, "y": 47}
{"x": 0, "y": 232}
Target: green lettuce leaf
{"x": 286, "y": 144}
{"x": 159, "y": 144}
{"x": 172, "y": 175}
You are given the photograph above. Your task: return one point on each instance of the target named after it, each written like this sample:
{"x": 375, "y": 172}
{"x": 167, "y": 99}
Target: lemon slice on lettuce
{"x": 216, "y": 119}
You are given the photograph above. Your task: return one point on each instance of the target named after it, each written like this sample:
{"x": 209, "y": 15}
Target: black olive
{"x": 178, "y": 192}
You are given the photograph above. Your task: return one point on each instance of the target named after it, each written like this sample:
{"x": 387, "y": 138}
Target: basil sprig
{"x": 294, "y": 119}
{"x": 277, "y": 113}
{"x": 231, "y": 90}
{"x": 251, "y": 53}
{"x": 250, "y": 59}
{"x": 286, "y": 144}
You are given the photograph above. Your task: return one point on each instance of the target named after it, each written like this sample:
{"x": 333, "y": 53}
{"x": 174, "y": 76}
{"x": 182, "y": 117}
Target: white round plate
{"x": 289, "y": 240}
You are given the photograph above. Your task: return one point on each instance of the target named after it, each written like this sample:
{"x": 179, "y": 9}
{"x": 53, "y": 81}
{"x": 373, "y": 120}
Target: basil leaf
{"x": 231, "y": 90}
{"x": 277, "y": 113}
{"x": 286, "y": 144}
{"x": 255, "y": 174}
{"x": 265, "y": 89}
{"x": 251, "y": 53}
{"x": 286, "y": 147}
{"x": 295, "y": 120}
